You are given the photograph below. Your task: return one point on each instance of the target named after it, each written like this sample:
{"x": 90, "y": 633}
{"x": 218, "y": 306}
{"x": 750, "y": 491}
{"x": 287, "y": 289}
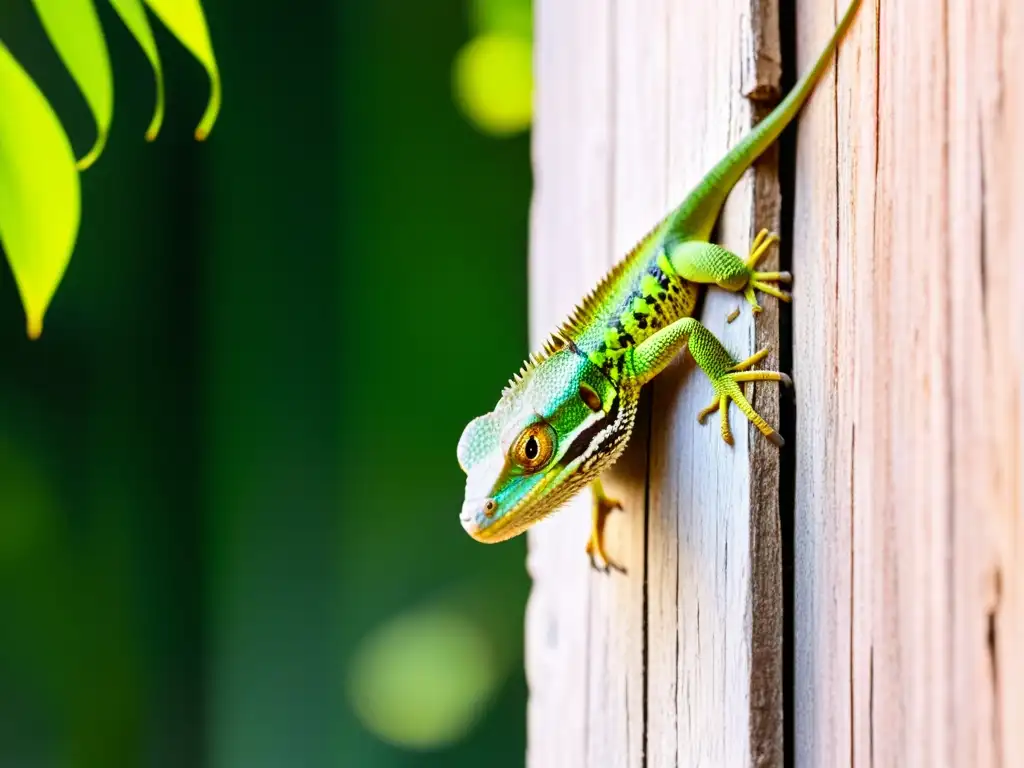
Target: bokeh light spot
{"x": 421, "y": 680}
{"x": 493, "y": 82}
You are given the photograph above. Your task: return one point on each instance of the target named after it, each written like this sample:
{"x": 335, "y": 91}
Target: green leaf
{"x": 75, "y": 31}
{"x": 186, "y": 21}
{"x": 39, "y": 191}
{"x": 133, "y": 14}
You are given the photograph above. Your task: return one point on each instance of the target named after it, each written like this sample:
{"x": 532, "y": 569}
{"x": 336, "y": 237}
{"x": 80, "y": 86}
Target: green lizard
{"x": 567, "y": 415}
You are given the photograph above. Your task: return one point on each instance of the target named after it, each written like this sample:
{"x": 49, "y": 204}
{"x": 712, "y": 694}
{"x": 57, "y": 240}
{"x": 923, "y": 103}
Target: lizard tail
{"x": 696, "y": 216}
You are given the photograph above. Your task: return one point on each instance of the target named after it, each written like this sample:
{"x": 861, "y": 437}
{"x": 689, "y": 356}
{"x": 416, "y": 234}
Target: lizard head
{"x": 540, "y": 445}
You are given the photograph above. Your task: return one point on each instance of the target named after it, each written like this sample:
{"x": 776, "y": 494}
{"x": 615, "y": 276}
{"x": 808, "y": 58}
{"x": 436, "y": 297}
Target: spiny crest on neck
{"x": 555, "y": 343}
{"x": 584, "y": 314}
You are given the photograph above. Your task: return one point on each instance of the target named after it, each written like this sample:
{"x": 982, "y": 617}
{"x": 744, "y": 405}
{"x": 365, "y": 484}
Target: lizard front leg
{"x": 649, "y": 358}
{"x": 711, "y": 264}
{"x": 603, "y": 506}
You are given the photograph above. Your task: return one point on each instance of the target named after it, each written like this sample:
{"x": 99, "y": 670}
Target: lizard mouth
{"x": 475, "y": 518}
{"x": 486, "y": 534}
{"x": 486, "y": 521}
{"x": 480, "y": 517}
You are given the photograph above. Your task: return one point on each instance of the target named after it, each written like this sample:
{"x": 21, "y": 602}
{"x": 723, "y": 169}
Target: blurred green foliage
{"x": 39, "y": 186}
{"x": 228, "y": 490}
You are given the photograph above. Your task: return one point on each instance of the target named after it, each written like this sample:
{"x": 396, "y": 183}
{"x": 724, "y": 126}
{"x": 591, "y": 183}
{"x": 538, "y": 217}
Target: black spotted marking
{"x": 645, "y": 301}
{"x": 613, "y": 367}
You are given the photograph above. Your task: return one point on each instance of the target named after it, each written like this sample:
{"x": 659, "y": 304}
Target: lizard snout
{"x": 476, "y": 515}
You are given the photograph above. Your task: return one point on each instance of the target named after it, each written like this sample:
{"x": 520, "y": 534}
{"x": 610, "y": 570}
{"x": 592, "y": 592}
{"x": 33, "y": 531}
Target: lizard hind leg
{"x": 707, "y": 263}
{"x": 602, "y": 507}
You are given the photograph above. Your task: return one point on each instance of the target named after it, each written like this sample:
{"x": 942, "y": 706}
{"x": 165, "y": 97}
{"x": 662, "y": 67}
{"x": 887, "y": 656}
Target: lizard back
{"x": 638, "y": 296}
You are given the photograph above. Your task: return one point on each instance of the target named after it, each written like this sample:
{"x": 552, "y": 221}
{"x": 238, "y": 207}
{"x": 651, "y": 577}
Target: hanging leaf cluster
{"x": 40, "y": 197}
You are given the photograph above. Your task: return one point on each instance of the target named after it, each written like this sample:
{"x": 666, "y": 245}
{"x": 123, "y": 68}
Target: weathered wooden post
{"x": 681, "y": 660}
{"x": 907, "y": 535}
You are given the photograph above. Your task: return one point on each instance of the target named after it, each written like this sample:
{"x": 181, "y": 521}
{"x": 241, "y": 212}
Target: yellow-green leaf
{"x": 186, "y": 21}
{"x": 39, "y": 191}
{"x": 133, "y": 14}
{"x": 75, "y": 31}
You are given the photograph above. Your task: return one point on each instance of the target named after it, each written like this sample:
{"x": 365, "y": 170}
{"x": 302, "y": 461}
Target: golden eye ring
{"x": 534, "y": 447}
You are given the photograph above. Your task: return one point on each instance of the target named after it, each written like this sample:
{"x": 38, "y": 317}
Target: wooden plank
{"x": 626, "y": 122}
{"x": 715, "y": 696}
{"x": 824, "y": 324}
{"x": 1005, "y": 107}
{"x": 584, "y": 630}
{"x": 908, "y": 365}
{"x": 641, "y": 60}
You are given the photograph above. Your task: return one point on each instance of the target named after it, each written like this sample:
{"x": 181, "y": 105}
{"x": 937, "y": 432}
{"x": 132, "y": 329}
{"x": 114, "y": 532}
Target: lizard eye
{"x": 534, "y": 447}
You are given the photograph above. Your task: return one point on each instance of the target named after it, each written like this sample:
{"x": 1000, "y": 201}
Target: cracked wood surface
{"x": 907, "y": 537}
{"x": 678, "y": 662}
{"x": 908, "y": 354}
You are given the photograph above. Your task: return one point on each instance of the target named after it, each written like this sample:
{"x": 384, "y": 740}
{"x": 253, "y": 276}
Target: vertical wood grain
{"x": 679, "y": 661}
{"x": 908, "y": 350}
{"x": 570, "y": 158}
{"x": 908, "y": 359}
{"x": 584, "y": 630}
{"x": 715, "y": 661}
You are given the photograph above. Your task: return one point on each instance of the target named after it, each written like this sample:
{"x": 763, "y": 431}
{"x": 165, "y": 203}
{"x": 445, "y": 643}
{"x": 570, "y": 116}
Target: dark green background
{"x": 232, "y": 453}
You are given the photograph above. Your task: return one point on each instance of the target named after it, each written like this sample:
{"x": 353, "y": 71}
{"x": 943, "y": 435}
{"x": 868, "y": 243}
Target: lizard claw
{"x": 727, "y": 389}
{"x": 766, "y": 282}
{"x": 760, "y": 246}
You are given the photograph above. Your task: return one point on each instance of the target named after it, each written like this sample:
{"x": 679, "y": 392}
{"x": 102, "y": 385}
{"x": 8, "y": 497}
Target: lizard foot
{"x": 727, "y": 388}
{"x": 763, "y": 281}
{"x": 595, "y": 545}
